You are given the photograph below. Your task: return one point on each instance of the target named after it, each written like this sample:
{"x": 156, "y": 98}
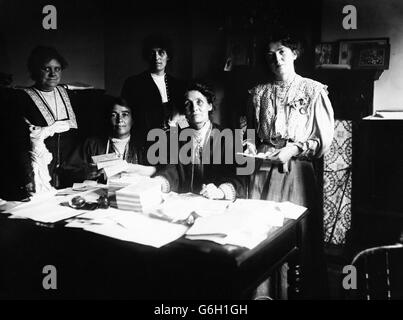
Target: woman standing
{"x": 154, "y": 95}
{"x": 46, "y": 105}
{"x": 294, "y": 124}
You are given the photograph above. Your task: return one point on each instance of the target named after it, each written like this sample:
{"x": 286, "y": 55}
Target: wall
{"x": 374, "y": 19}
{"x": 78, "y": 38}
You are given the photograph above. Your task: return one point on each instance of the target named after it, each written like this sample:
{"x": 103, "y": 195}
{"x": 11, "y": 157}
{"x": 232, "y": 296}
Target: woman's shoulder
{"x": 96, "y": 141}
{"x": 260, "y": 88}
{"x": 311, "y": 84}
{"x": 309, "y": 88}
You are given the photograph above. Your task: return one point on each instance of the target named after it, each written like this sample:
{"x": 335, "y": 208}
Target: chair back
{"x": 379, "y": 273}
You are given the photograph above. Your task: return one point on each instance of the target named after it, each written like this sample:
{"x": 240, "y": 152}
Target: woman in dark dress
{"x": 154, "y": 95}
{"x": 47, "y": 105}
{"x": 212, "y": 180}
{"x": 119, "y": 140}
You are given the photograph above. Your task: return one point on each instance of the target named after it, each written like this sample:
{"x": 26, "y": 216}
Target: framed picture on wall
{"x": 349, "y": 50}
{"x": 326, "y": 54}
{"x": 345, "y": 53}
{"x": 372, "y": 56}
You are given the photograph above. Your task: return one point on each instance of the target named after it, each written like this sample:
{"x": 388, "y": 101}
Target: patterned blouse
{"x": 298, "y": 112}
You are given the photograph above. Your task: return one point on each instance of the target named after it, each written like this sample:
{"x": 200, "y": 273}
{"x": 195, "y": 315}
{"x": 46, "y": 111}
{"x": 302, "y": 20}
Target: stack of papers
{"x": 124, "y": 179}
{"x": 245, "y": 223}
{"x": 111, "y": 163}
{"x": 181, "y": 206}
{"x": 140, "y": 197}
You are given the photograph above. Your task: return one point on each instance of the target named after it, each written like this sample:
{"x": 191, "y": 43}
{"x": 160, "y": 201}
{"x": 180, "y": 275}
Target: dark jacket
{"x": 143, "y": 96}
{"x": 75, "y": 169}
{"x": 180, "y": 175}
{"x": 60, "y": 145}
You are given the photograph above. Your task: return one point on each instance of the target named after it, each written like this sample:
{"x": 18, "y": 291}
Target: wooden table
{"x": 93, "y": 266}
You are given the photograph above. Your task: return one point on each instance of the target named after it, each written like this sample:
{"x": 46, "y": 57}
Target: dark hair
{"x": 41, "y": 55}
{"x": 118, "y": 101}
{"x": 133, "y": 143}
{"x": 286, "y": 39}
{"x": 156, "y": 41}
{"x": 205, "y": 89}
{"x": 110, "y": 102}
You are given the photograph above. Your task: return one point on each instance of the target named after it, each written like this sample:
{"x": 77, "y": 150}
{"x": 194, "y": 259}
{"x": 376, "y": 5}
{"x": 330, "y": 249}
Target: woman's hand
{"x": 93, "y": 172}
{"x": 210, "y": 191}
{"x": 250, "y": 147}
{"x": 284, "y": 155}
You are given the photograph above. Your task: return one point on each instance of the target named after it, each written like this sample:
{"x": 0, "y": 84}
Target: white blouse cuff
{"x": 165, "y": 185}
{"x": 229, "y": 191}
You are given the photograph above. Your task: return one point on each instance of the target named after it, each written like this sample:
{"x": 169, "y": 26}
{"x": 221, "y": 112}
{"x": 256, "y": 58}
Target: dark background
{"x": 102, "y": 40}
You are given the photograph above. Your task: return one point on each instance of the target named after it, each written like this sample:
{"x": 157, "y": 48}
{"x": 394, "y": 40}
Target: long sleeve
{"x": 320, "y": 128}
{"x": 75, "y": 168}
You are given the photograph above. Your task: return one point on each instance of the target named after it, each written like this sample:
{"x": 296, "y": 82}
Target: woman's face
{"x": 49, "y": 75}
{"x": 197, "y": 108}
{"x": 121, "y": 121}
{"x": 280, "y": 59}
{"x": 158, "y": 60}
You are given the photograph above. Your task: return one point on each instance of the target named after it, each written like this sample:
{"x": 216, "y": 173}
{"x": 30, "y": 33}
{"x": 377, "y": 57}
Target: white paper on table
{"x": 230, "y": 222}
{"x": 129, "y": 226}
{"x": 119, "y": 167}
{"x": 245, "y": 223}
{"x": 263, "y": 211}
{"x": 180, "y": 206}
{"x": 291, "y": 210}
{"x": 126, "y": 178}
{"x": 50, "y": 209}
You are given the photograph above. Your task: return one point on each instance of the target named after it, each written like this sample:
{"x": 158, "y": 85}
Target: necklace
{"x": 279, "y": 132}
{"x": 198, "y": 152}
{"x": 120, "y": 147}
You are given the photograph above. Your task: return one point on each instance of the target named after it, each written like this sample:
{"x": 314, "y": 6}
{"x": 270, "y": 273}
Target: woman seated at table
{"x": 119, "y": 140}
{"x": 213, "y": 181}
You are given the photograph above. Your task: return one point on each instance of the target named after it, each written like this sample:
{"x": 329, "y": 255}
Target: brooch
{"x": 301, "y": 105}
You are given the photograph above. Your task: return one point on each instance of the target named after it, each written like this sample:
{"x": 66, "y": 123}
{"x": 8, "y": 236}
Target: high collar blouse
{"x": 297, "y": 111}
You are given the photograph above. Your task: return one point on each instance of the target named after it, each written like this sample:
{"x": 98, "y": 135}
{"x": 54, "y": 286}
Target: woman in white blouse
{"x": 293, "y": 121}
{"x": 294, "y": 124}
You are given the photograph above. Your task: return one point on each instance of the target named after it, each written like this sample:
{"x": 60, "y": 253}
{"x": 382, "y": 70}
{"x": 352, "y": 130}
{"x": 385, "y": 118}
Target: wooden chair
{"x": 379, "y": 273}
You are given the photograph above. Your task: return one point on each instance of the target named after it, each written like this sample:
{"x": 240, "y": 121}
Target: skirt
{"x": 299, "y": 186}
